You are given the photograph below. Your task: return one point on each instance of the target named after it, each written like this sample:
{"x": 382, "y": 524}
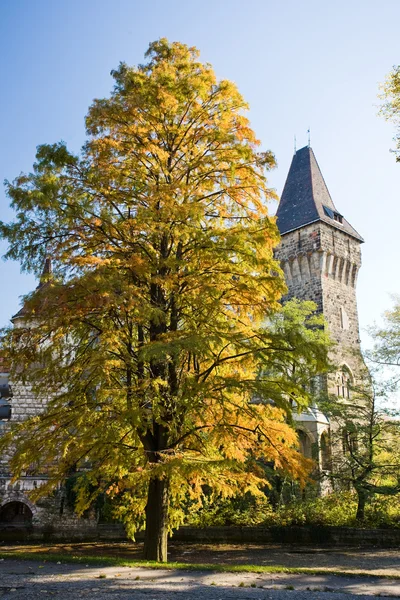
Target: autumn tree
{"x": 159, "y": 337}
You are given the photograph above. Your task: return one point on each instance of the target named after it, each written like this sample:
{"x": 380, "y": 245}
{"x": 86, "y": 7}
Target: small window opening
{"x": 5, "y": 410}
{"x": 329, "y": 212}
{"x": 332, "y": 214}
{"x": 5, "y": 395}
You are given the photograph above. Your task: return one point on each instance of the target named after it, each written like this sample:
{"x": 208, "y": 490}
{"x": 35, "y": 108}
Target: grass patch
{"x": 114, "y": 561}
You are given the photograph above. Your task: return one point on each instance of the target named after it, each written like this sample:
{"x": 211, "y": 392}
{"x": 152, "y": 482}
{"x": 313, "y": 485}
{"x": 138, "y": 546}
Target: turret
{"x": 320, "y": 253}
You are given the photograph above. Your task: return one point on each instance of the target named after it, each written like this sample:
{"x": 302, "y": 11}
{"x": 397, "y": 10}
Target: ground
{"x": 379, "y": 573}
{"x": 369, "y": 561}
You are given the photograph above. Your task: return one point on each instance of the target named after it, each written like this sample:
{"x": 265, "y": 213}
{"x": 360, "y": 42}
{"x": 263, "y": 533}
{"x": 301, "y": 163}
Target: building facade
{"x": 19, "y": 516}
{"x": 320, "y": 254}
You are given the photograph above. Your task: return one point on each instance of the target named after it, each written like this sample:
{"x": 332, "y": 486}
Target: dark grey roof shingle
{"x": 304, "y": 196}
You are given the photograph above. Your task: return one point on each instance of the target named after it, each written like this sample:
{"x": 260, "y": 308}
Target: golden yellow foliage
{"x": 161, "y": 338}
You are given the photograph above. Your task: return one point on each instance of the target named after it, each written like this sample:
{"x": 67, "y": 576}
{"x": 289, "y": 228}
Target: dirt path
{"x": 29, "y": 580}
{"x": 373, "y": 561}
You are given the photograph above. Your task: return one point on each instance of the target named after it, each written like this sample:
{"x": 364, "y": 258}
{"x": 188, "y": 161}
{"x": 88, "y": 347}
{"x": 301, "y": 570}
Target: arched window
{"x": 344, "y": 382}
{"x": 15, "y": 514}
{"x": 304, "y": 443}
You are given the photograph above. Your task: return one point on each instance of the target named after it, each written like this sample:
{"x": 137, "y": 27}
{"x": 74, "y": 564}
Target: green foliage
{"x": 390, "y": 109}
{"x": 333, "y": 510}
{"x": 365, "y": 442}
{"x": 339, "y": 510}
{"x": 238, "y": 510}
{"x": 385, "y": 355}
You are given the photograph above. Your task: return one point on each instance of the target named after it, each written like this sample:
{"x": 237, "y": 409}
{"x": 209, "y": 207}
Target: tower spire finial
{"x": 295, "y": 149}
{"x": 47, "y": 268}
{"x": 46, "y": 272}
{"x": 309, "y": 137}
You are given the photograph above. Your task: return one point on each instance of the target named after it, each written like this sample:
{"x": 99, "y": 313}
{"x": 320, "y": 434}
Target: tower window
{"x": 5, "y": 410}
{"x": 332, "y": 214}
{"x": 343, "y": 383}
{"x": 5, "y": 395}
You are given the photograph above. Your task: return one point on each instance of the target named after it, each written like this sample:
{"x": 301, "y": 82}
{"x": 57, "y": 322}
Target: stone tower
{"x": 320, "y": 255}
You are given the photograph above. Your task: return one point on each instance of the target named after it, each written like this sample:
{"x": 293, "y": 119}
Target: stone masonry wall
{"x": 24, "y": 404}
{"x": 48, "y": 513}
{"x": 321, "y": 263}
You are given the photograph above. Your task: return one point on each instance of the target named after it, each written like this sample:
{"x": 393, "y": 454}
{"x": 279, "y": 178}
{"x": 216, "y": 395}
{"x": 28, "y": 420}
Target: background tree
{"x": 365, "y": 442}
{"x": 390, "y": 110}
{"x": 164, "y": 304}
{"x": 386, "y": 351}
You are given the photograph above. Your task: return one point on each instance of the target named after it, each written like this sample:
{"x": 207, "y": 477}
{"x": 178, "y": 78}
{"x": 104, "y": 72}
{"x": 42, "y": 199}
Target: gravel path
{"x": 29, "y": 580}
{"x": 372, "y": 561}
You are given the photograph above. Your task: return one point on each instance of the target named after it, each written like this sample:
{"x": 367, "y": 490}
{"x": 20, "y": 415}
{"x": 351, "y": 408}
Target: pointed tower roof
{"x": 46, "y": 273}
{"x": 306, "y": 199}
{"x": 44, "y": 279}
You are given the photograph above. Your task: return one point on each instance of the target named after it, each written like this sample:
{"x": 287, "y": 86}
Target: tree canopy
{"x": 390, "y": 109}
{"x": 158, "y": 340}
{"x": 365, "y": 442}
{"x": 386, "y": 351}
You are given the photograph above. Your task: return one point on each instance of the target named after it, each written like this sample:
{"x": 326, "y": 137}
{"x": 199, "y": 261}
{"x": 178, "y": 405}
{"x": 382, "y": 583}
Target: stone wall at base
{"x": 292, "y": 536}
{"x": 302, "y": 535}
{"x": 43, "y": 519}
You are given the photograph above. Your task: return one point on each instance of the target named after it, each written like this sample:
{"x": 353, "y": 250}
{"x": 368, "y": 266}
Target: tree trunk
{"x": 362, "y": 498}
{"x": 155, "y": 539}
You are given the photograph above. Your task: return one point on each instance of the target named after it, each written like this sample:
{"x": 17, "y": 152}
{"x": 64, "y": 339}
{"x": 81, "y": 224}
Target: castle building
{"x": 17, "y": 512}
{"x": 320, "y": 254}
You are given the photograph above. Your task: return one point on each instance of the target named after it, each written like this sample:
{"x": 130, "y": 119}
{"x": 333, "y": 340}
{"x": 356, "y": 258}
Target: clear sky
{"x": 299, "y": 64}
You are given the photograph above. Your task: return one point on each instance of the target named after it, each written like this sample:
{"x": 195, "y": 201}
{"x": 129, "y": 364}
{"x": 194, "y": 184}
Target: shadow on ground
{"x": 374, "y": 561}
{"x": 30, "y": 580}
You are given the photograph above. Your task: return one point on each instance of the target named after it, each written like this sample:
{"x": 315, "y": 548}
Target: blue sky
{"x": 299, "y": 64}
